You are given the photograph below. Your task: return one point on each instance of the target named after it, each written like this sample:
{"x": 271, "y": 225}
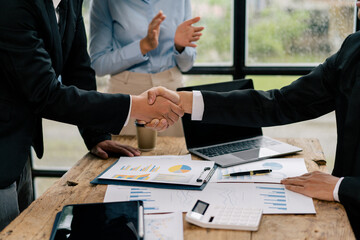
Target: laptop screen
{"x": 198, "y": 134}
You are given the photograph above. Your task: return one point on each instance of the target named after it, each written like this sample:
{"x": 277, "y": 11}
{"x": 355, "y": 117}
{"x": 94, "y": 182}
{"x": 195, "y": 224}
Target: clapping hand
{"x": 151, "y": 41}
{"x": 186, "y": 34}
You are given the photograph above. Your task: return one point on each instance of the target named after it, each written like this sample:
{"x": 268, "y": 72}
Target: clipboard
{"x": 100, "y": 221}
{"x": 198, "y": 181}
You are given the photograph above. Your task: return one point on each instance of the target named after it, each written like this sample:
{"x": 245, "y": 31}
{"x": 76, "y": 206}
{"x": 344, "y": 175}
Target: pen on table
{"x": 253, "y": 172}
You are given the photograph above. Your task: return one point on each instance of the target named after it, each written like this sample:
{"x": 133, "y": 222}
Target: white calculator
{"x": 206, "y": 215}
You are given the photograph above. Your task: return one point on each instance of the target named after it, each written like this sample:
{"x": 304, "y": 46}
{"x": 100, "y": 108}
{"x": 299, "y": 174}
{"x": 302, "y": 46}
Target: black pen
{"x": 253, "y": 172}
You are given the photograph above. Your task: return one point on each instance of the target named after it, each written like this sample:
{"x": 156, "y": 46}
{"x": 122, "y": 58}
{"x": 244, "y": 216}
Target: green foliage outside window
{"x": 274, "y": 34}
{"x": 215, "y": 44}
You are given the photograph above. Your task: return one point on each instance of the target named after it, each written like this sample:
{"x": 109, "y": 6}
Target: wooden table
{"x": 36, "y": 221}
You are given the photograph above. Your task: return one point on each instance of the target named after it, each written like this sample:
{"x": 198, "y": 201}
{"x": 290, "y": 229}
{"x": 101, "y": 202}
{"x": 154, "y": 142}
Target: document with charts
{"x": 167, "y": 226}
{"x": 281, "y": 168}
{"x": 160, "y": 169}
{"x": 272, "y": 198}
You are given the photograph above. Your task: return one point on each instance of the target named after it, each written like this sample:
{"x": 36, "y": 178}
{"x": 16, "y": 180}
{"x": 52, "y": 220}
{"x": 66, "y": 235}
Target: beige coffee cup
{"x": 146, "y": 137}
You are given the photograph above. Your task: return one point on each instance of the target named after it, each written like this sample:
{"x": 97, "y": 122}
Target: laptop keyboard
{"x": 236, "y": 147}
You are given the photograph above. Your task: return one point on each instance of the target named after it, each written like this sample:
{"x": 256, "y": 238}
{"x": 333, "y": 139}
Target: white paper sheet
{"x": 168, "y": 226}
{"x": 159, "y": 169}
{"x": 272, "y": 198}
{"x": 281, "y": 168}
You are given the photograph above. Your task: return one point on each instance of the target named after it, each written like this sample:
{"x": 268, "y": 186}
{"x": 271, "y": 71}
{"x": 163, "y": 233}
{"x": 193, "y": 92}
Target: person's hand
{"x": 160, "y": 124}
{"x": 154, "y": 92}
{"x": 183, "y": 99}
{"x": 186, "y": 34}
{"x": 156, "y": 124}
{"x": 315, "y": 184}
{"x": 151, "y": 41}
{"x": 104, "y": 148}
{"x": 162, "y": 105}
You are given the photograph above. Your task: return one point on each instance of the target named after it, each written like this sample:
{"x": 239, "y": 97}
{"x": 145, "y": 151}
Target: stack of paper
{"x": 247, "y": 191}
{"x": 272, "y": 198}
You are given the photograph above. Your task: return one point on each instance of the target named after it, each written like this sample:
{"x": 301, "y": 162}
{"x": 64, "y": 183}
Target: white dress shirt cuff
{"x": 197, "y": 106}
{"x": 336, "y": 190}
{"x": 128, "y": 116}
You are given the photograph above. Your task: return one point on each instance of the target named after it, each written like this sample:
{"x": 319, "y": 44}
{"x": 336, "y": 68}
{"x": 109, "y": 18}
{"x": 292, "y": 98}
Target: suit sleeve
{"x": 306, "y": 98}
{"x": 349, "y": 196}
{"x": 77, "y": 72}
{"x": 27, "y": 66}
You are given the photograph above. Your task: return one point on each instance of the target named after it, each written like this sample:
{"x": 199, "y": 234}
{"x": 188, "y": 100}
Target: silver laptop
{"x": 230, "y": 145}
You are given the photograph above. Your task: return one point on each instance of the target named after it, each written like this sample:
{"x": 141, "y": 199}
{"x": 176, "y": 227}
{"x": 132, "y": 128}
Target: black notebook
{"x": 115, "y": 220}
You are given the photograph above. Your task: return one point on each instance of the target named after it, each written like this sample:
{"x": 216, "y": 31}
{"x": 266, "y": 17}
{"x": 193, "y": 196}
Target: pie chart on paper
{"x": 180, "y": 169}
{"x": 273, "y": 165}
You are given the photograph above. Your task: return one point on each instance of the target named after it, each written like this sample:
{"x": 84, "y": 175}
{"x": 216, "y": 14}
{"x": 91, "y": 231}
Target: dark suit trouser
{"x": 16, "y": 197}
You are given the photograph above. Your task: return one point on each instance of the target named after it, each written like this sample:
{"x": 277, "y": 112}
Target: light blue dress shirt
{"x": 117, "y": 26}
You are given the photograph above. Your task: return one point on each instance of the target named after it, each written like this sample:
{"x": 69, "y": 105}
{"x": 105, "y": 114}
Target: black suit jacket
{"x": 34, "y": 51}
{"x": 333, "y": 85}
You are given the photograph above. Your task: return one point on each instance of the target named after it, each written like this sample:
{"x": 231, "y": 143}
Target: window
{"x": 271, "y": 41}
{"x": 215, "y": 46}
{"x": 288, "y": 32}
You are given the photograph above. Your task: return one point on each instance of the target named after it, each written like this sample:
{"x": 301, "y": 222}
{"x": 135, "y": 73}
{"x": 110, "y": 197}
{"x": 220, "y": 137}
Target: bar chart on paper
{"x": 155, "y": 200}
{"x": 276, "y": 199}
{"x": 149, "y": 168}
{"x": 273, "y": 197}
{"x": 145, "y": 195}
{"x": 135, "y": 177}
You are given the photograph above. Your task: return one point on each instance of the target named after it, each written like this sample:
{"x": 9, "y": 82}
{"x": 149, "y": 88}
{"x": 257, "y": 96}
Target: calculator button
{"x": 241, "y": 223}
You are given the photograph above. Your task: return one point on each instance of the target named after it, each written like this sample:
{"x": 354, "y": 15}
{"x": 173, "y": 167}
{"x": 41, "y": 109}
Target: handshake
{"x": 159, "y": 107}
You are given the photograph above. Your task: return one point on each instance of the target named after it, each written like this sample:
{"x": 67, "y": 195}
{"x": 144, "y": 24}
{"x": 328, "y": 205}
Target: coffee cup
{"x": 146, "y": 137}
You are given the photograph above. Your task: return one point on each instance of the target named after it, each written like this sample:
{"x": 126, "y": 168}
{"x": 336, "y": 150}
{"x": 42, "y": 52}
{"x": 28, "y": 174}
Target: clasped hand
{"x": 158, "y": 108}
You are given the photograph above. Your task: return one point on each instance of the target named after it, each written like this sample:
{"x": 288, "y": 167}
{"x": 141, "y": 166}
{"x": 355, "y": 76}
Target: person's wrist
{"x": 144, "y": 46}
{"x": 186, "y": 99}
{"x": 136, "y": 102}
{"x": 179, "y": 48}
